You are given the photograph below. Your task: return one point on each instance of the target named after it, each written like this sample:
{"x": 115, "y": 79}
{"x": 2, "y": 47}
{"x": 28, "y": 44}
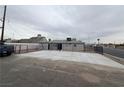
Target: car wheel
{"x": 9, "y": 53}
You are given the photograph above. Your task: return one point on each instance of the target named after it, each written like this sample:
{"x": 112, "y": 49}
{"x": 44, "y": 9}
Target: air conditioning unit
{"x": 68, "y": 39}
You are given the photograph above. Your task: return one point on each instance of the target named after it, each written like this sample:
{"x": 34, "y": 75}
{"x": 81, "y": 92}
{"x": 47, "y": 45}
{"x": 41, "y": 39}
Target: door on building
{"x": 60, "y": 46}
{"x": 48, "y": 46}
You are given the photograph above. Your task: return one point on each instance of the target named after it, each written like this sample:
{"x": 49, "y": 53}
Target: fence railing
{"x": 98, "y": 49}
{"x": 30, "y": 47}
{"x": 88, "y": 48}
{"x": 25, "y": 48}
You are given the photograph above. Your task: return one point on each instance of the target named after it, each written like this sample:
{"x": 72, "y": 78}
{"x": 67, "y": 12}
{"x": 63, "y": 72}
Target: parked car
{"x": 6, "y": 50}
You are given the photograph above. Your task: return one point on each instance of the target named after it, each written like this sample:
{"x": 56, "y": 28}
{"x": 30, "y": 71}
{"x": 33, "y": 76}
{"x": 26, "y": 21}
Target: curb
{"x": 117, "y": 59}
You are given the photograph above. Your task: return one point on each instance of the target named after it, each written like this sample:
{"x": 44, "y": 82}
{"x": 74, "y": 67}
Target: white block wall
{"x": 71, "y": 47}
{"x": 44, "y": 46}
{"x": 53, "y": 46}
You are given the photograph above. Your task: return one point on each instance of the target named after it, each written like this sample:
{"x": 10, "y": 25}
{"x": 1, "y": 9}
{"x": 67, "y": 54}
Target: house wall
{"x": 53, "y": 46}
{"x": 44, "y": 46}
{"x": 73, "y": 47}
{"x": 79, "y": 47}
{"x": 65, "y": 47}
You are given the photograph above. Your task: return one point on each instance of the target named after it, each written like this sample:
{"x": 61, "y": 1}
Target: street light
{"x": 98, "y": 40}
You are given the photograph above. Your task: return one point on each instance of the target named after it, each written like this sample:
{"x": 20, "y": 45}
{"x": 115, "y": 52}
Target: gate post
{"x": 27, "y": 48}
{"x": 19, "y": 49}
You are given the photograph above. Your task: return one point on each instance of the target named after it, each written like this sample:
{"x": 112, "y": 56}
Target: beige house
{"x": 66, "y": 45}
{"x": 37, "y": 39}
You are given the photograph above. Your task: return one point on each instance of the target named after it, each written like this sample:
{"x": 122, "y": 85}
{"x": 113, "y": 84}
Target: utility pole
{"x": 5, "y": 50}
{"x": 3, "y": 23}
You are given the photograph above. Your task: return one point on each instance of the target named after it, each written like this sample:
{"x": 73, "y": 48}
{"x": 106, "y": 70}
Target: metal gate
{"x": 98, "y": 49}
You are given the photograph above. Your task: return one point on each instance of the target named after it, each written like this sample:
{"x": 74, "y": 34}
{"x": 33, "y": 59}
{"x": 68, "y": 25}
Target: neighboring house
{"x": 37, "y": 39}
{"x": 120, "y": 46}
{"x": 9, "y": 40}
{"x": 110, "y": 45}
{"x": 67, "y": 45}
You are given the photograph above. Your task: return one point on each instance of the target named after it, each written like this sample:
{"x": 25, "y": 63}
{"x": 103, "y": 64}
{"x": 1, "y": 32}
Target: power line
{"x": 11, "y": 26}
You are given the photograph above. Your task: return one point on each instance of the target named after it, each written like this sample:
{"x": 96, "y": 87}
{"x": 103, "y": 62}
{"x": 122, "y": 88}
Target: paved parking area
{"x": 18, "y": 71}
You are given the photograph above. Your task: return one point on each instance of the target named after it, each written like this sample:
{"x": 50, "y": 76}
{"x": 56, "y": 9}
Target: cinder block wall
{"x": 65, "y": 47}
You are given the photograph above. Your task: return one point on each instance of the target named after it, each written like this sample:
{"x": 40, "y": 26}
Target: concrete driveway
{"x": 16, "y": 71}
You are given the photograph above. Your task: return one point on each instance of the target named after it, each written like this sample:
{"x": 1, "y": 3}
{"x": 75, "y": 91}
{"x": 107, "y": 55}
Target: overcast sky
{"x": 86, "y": 23}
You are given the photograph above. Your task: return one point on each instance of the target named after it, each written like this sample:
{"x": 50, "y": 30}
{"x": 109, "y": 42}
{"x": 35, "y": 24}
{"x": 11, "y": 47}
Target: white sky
{"x": 86, "y": 23}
